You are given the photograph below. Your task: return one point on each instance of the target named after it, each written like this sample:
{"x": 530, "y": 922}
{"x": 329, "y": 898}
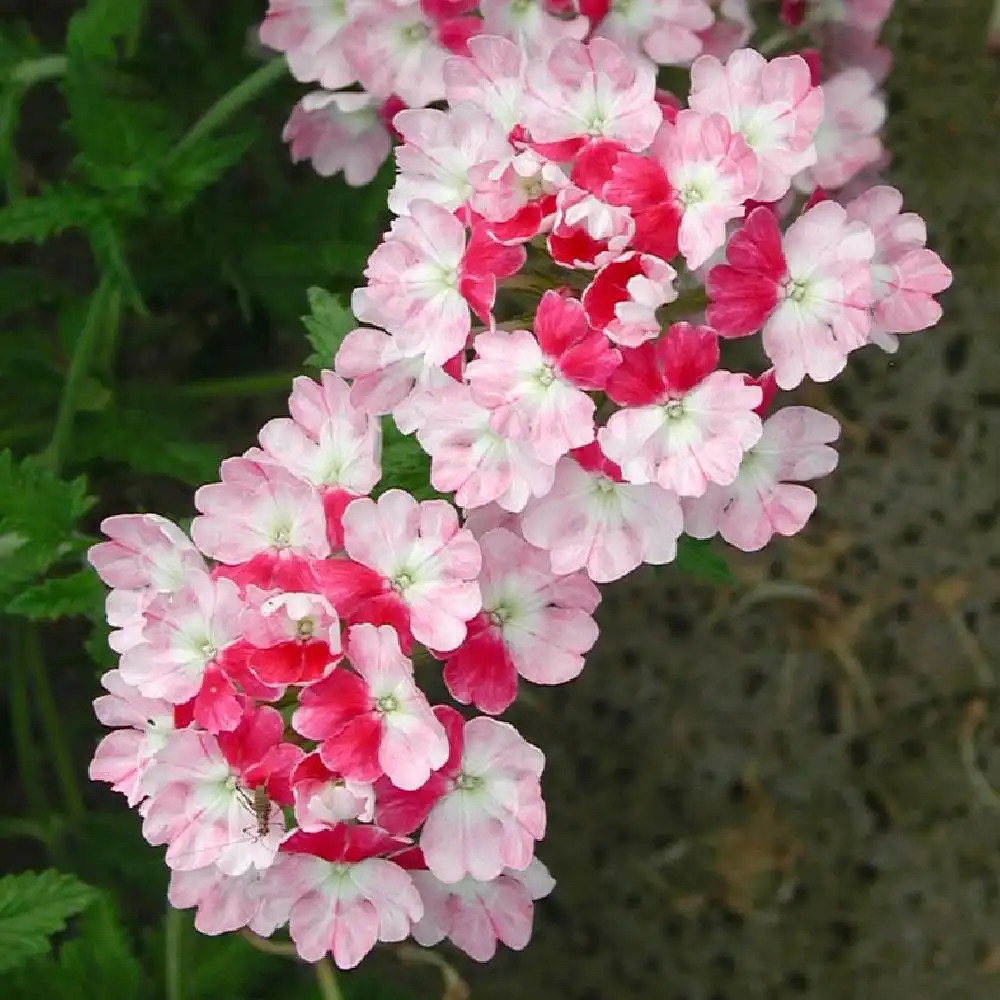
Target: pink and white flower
{"x": 311, "y": 34}
{"x": 595, "y": 521}
{"x": 439, "y": 150}
{"x": 534, "y": 624}
{"x": 142, "y": 727}
{"x": 533, "y": 25}
{"x": 259, "y": 508}
{"x": 810, "y": 291}
{"x": 713, "y": 172}
{"x": 428, "y": 560}
{"x": 344, "y": 896}
{"x": 328, "y": 441}
{"x": 475, "y": 916}
{"x": 533, "y": 383}
{"x": 685, "y": 424}
{"x": 198, "y": 806}
{"x": 393, "y": 48}
{"x": 766, "y": 499}
{"x": 375, "y": 720}
{"x": 339, "y": 132}
{"x": 183, "y": 635}
{"x": 490, "y": 77}
{"x": 905, "y": 274}
{"x": 146, "y": 552}
{"x": 668, "y": 32}
{"x": 226, "y": 903}
{"x": 483, "y": 811}
{"x": 469, "y": 458}
{"x": 772, "y": 104}
{"x": 847, "y": 139}
{"x": 624, "y": 296}
{"x": 590, "y": 91}
{"x": 324, "y": 798}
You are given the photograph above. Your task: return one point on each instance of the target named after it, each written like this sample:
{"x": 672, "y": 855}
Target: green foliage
{"x": 405, "y": 465}
{"x": 698, "y": 557}
{"x": 39, "y": 512}
{"x": 328, "y": 323}
{"x": 33, "y": 907}
{"x": 98, "y": 962}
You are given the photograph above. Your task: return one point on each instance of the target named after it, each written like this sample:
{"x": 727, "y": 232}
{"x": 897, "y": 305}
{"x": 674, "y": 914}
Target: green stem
{"x": 232, "y": 101}
{"x": 174, "y": 953}
{"x": 32, "y": 71}
{"x": 79, "y": 367}
{"x": 326, "y": 979}
{"x": 53, "y": 726}
{"x": 28, "y": 762}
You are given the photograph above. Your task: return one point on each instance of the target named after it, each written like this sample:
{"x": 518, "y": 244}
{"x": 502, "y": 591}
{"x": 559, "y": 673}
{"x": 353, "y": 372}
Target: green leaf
{"x": 80, "y": 593}
{"x": 697, "y": 557}
{"x": 38, "y": 520}
{"x": 33, "y": 907}
{"x": 97, "y": 963}
{"x": 201, "y": 164}
{"x": 56, "y": 208}
{"x": 95, "y": 30}
{"x": 405, "y": 465}
{"x": 150, "y": 443}
{"x": 329, "y": 323}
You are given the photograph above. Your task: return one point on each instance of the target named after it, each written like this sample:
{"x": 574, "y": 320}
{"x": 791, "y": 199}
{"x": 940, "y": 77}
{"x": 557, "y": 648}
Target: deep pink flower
{"x": 533, "y": 383}
{"x": 374, "y": 720}
{"x": 624, "y": 296}
{"x": 811, "y": 291}
{"x": 534, "y": 624}
{"x": 713, "y": 172}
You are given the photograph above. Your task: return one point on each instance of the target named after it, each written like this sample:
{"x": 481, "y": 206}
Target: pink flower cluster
{"x": 371, "y": 58}
{"x": 608, "y": 241}
{"x": 572, "y": 252}
{"x": 267, "y": 715}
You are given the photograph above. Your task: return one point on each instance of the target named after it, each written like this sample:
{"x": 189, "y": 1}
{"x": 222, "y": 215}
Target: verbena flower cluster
{"x": 573, "y": 251}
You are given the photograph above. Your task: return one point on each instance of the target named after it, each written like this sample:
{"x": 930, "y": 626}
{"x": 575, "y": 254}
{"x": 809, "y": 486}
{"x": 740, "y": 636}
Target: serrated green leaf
{"x": 60, "y": 207}
{"x": 697, "y": 557}
{"x": 200, "y": 165}
{"x": 99, "y": 962}
{"x": 38, "y": 520}
{"x": 80, "y": 593}
{"x": 33, "y": 907}
{"x": 405, "y": 465}
{"x": 328, "y": 324}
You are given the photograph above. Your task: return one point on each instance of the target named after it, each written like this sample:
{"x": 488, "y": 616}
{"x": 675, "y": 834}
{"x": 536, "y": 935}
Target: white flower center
{"x": 468, "y": 782}
{"x": 673, "y": 409}
{"x": 414, "y": 34}
{"x": 387, "y": 704}
{"x": 305, "y": 628}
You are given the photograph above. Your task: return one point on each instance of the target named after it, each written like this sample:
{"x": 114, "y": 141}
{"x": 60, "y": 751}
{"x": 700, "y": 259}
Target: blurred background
{"x": 779, "y": 787}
